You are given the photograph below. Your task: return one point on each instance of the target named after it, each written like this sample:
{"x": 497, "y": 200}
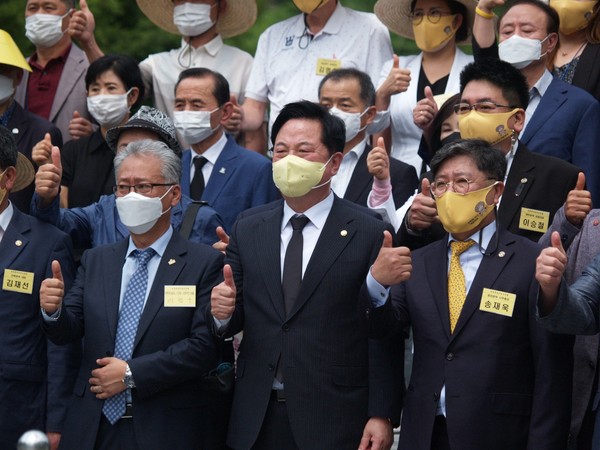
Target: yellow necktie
{"x": 457, "y": 290}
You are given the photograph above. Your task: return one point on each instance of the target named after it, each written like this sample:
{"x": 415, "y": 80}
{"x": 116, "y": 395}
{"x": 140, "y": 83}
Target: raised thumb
{"x": 428, "y": 93}
{"x": 580, "y": 186}
{"x": 56, "y": 157}
{"x": 387, "y": 240}
{"x": 56, "y": 272}
{"x": 228, "y": 276}
{"x": 396, "y": 64}
{"x": 425, "y": 186}
{"x": 76, "y": 114}
{"x": 556, "y": 242}
{"x": 83, "y": 5}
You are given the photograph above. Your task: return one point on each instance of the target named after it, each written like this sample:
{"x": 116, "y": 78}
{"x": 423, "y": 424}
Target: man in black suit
{"x": 350, "y": 95}
{"x": 307, "y": 375}
{"x": 494, "y": 97}
{"x": 139, "y": 305}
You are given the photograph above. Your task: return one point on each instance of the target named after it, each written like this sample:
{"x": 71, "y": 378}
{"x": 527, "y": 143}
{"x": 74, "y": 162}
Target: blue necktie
{"x": 129, "y": 317}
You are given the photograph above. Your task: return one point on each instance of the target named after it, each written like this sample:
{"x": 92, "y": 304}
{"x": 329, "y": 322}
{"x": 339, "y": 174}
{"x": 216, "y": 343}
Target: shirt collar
{"x": 541, "y": 85}
{"x": 317, "y": 214}
{"x": 6, "y": 216}
{"x": 336, "y": 21}
{"x": 33, "y": 60}
{"x": 358, "y": 149}
{"x": 486, "y": 235}
{"x": 159, "y": 245}
{"x": 212, "y": 47}
{"x": 213, "y": 153}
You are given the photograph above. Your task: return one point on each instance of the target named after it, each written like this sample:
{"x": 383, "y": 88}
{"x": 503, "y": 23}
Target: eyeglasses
{"x": 433, "y": 16}
{"x": 482, "y": 107}
{"x": 460, "y": 186}
{"x": 140, "y": 188}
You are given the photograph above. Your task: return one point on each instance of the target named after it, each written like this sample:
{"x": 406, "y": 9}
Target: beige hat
{"x": 395, "y": 14}
{"x": 25, "y": 173}
{"x": 239, "y": 16}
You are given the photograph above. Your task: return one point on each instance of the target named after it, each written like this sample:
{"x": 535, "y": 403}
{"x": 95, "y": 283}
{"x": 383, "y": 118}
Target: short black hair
{"x": 124, "y": 67}
{"x": 8, "y": 149}
{"x": 221, "y": 85}
{"x": 367, "y": 90}
{"x": 333, "y": 133}
{"x": 488, "y": 159}
{"x": 455, "y": 8}
{"x": 502, "y": 75}
{"x": 552, "y": 18}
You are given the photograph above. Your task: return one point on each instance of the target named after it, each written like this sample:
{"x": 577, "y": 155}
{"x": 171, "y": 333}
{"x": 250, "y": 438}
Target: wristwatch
{"x": 128, "y": 380}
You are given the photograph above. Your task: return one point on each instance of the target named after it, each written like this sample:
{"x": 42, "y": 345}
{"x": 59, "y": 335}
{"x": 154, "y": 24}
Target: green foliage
{"x": 122, "y": 28}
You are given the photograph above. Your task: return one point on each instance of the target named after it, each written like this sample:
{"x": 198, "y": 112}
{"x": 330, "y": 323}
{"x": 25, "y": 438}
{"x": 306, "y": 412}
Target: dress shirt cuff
{"x": 50, "y": 317}
{"x": 377, "y": 291}
{"x": 221, "y": 325}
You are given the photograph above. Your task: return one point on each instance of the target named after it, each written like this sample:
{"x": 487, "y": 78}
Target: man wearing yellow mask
{"x": 485, "y": 374}
{"x": 493, "y": 102}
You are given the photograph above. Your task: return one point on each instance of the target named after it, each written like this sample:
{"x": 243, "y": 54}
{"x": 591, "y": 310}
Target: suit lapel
{"x": 519, "y": 181}
{"x": 361, "y": 179}
{"x": 224, "y": 168}
{"x": 14, "y": 240}
{"x": 268, "y": 243}
{"x": 547, "y": 107}
{"x": 437, "y": 274}
{"x": 112, "y": 290}
{"x": 73, "y": 70}
{"x": 487, "y": 273}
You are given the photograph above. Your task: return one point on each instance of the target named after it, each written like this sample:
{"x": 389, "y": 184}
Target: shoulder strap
{"x": 189, "y": 218}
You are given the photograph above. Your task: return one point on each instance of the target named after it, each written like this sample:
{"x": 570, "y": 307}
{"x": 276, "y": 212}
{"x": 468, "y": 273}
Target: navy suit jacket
{"x": 37, "y": 376}
{"x": 403, "y": 176}
{"x": 566, "y": 124}
{"x": 508, "y": 381}
{"x": 240, "y": 179}
{"x": 335, "y": 377}
{"x": 173, "y": 347}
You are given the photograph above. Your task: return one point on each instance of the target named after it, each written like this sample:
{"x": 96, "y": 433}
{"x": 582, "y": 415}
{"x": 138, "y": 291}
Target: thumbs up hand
{"x": 550, "y": 266}
{"x": 82, "y": 23}
{"x": 48, "y": 178}
{"x": 79, "y": 126}
{"x": 222, "y": 298}
{"x": 393, "y": 264}
{"x": 378, "y": 161}
{"x": 423, "y": 211}
{"x": 42, "y": 151}
{"x": 223, "y": 242}
{"x": 579, "y": 202}
{"x": 52, "y": 290}
{"x": 396, "y": 82}
{"x": 426, "y": 109}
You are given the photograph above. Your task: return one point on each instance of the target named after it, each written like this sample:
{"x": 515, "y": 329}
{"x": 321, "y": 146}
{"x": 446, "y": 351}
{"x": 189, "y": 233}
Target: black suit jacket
{"x": 28, "y": 129}
{"x": 173, "y": 346}
{"x": 335, "y": 378}
{"x": 587, "y": 73}
{"x": 508, "y": 381}
{"x": 403, "y": 176}
{"x": 535, "y": 181}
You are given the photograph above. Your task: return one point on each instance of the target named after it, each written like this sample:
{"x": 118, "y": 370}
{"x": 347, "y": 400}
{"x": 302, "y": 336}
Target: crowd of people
{"x": 240, "y": 264}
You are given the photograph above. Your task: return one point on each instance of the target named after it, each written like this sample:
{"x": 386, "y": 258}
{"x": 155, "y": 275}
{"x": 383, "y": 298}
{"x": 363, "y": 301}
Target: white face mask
{"x": 520, "y": 51}
{"x": 109, "y": 110}
{"x": 44, "y": 30}
{"x": 192, "y": 19}
{"x": 140, "y": 213}
{"x": 6, "y": 88}
{"x": 351, "y": 120}
{"x": 194, "y": 126}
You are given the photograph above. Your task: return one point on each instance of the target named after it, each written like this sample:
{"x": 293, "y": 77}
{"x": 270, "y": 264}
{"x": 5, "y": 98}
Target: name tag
{"x": 534, "y": 220}
{"x": 324, "y": 66}
{"x": 18, "y": 281}
{"x": 498, "y": 302}
{"x": 180, "y": 296}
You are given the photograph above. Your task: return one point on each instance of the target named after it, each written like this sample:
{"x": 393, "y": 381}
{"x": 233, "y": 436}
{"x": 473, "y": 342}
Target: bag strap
{"x": 189, "y": 217}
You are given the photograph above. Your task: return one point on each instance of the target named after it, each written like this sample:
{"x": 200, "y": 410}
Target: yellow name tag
{"x": 180, "y": 296}
{"x": 498, "y": 302}
{"x": 18, "y": 281}
{"x": 324, "y": 66}
{"x": 534, "y": 220}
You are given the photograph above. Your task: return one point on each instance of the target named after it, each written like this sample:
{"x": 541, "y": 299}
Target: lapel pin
{"x": 171, "y": 262}
{"x": 222, "y": 170}
{"x": 343, "y": 233}
{"x": 501, "y": 254}
{"x": 523, "y": 180}
{"x": 18, "y": 243}
{"x": 15, "y": 131}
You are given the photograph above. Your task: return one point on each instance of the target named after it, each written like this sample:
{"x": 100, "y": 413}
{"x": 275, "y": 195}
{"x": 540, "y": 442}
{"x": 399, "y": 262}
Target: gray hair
{"x": 170, "y": 163}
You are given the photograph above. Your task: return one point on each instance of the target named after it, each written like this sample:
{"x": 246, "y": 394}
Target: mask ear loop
{"x": 187, "y": 47}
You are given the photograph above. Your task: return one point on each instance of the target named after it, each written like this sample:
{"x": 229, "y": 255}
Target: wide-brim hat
{"x": 147, "y": 118}
{"x": 25, "y": 173}
{"x": 10, "y": 53}
{"x": 239, "y": 16}
{"x": 395, "y": 15}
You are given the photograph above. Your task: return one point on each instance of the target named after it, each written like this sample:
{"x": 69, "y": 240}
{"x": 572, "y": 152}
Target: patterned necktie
{"x": 197, "y": 185}
{"x": 129, "y": 317}
{"x": 457, "y": 291}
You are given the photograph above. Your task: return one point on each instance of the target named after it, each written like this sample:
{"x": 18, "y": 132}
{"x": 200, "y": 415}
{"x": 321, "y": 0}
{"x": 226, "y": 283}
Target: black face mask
{"x": 450, "y": 138}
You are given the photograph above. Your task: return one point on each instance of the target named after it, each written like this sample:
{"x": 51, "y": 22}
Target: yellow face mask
{"x": 309, "y": 6}
{"x": 460, "y": 213}
{"x": 431, "y": 36}
{"x": 492, "y": 127}
{"x": 574, "y": 15}
{"x": 295, "y": 176}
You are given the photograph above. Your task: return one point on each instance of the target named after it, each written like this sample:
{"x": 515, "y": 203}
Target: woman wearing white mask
{"x": 114, "y": 85}
{"x": 437, "y": 26}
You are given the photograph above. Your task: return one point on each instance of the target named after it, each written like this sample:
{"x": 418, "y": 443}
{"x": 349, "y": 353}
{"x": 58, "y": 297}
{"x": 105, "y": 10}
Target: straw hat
{"x": 10, "y": 53}
{"x": 25, "y": 173}
{"x": 395, "y": 15}
{"x": 239, "y": 16}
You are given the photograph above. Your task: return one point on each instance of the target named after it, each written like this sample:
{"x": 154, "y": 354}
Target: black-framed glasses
{"x": 140, "y": 188}
{"x": 460, "y": 186}
{"x": 482, "y": 107}
{"x": 433, "y": 16}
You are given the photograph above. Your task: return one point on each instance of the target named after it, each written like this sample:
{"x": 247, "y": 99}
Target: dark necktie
{"x": 292, "y": 264}
{"x": 197, "y": 184}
